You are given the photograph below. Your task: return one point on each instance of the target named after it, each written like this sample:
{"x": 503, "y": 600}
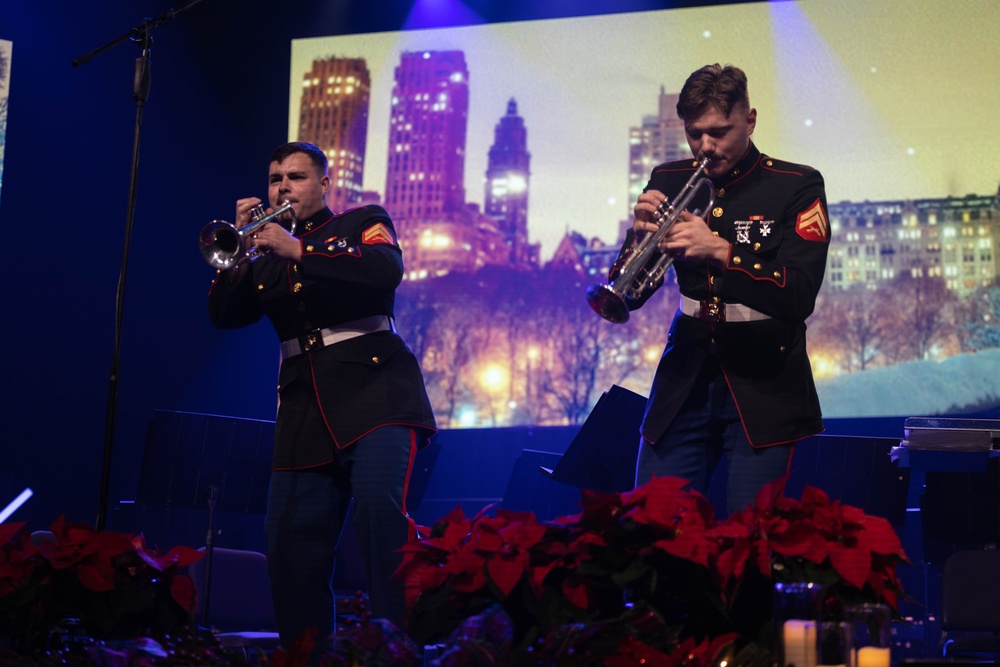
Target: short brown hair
{"x": 314, "y": 152}
{"x": 713, "y": 86}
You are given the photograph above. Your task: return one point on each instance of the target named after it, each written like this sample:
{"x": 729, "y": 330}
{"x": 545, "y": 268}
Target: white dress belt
{"x": 718, "y": 311}
{"x": 320, "y": 338}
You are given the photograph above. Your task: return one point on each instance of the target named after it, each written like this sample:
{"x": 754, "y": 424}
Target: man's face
{"x": 722, "y": 138}
{"x": 298, "y": 180}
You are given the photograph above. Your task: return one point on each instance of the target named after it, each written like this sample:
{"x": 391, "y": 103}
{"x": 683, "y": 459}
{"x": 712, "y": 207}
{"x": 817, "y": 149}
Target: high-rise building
{"x": 427, "y": 128}
{"x": 425, "y": 172}
{"x": 334, "y": 115}
{"x": 659, "y": 139}
{"x": 508, "y": 174}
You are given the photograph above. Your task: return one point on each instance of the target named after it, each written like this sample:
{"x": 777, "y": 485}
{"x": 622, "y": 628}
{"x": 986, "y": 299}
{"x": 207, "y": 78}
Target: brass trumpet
{"x": 221, "y": 243}
{"x": 645, "y": 267}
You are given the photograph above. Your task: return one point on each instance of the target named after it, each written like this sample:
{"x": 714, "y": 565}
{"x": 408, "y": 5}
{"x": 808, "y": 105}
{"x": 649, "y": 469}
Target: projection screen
{"x": 538, "y": 136}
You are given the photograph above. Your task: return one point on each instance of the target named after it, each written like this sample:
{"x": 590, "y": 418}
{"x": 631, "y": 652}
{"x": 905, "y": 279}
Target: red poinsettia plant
{"x": 853, "y": 555}
{"x": 701, "y": 586}
{"x": 100, "y": 584}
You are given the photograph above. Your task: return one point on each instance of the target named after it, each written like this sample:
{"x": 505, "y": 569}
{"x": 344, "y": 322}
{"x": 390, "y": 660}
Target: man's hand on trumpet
{"x": 243, "y": 207}
{"x": 688, "y": 239}
{"x": 272, "y": 236}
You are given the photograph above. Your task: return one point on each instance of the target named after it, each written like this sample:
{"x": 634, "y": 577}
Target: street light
{"x": 492, "y": 377}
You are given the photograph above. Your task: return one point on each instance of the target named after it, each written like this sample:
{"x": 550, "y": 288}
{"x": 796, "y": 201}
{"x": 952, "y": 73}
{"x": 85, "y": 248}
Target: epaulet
{"x": 349, "y": 210}
{"x": 783, "y": 166}
{"x": 689, "y": 164}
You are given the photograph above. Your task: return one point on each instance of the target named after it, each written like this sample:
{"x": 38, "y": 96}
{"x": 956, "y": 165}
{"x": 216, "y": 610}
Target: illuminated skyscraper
{"x": 334, "y": 116}
{"x": 508, "y": 174}
{"x": 427, "y": 128}
{"x": 660, "y": 139}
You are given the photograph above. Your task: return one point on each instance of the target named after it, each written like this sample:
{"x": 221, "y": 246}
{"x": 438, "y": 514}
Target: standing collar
{"x": 314, "y": 221}
{"x": 742, "y": 168}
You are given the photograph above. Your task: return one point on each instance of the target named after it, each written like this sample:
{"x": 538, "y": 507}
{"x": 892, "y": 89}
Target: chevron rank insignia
{"x": 379, "y": 233}
{"x": 812, "y": 223}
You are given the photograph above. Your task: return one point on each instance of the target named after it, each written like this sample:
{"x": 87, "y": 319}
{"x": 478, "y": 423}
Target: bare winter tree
{"x": 851, "y": 326}
{"x": 918, "y": 306}
{"x": 978, "y": 318}
{"x": 571, "y": 350}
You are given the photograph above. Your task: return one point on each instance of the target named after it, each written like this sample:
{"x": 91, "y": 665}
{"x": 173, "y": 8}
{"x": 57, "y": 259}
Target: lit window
{"x": 518, "y": 183}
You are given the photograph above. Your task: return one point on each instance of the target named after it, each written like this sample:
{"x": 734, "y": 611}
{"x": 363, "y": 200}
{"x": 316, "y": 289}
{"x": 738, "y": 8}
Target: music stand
{"x": 603, "y": 454}
{"x": 195, "y": 461}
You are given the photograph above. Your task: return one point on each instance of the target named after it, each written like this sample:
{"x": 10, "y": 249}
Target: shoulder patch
{"x": 379, "y": 233}
{"x": 812, "y": 223}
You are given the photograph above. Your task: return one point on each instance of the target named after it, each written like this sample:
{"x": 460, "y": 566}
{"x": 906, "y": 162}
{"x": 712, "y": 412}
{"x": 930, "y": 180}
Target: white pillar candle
{"x": 799, "y": 643}
{"x": 872, "y": 656}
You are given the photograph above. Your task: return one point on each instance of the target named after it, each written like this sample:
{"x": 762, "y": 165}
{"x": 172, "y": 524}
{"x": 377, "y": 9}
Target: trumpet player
{"x": 734, "y": 380}
{"x": 352, "y": 408}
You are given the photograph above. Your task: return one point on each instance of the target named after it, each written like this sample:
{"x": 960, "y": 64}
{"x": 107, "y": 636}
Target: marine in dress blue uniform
{"x": 352, "y": 408}
{"x": 734, "y": 379}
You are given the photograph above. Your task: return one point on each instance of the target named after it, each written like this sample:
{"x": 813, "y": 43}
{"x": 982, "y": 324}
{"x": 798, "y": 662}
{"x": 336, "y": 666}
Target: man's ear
{"x": 751, "y": 120}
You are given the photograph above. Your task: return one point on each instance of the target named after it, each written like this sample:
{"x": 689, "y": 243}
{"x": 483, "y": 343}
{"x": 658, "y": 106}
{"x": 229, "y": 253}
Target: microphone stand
{"x": 213, "y": 496}
{"x": 141, "y": 35}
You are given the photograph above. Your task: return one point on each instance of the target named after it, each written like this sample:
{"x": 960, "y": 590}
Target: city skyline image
{"x": 879, "y": 98}
{"x": 520, "y": 148}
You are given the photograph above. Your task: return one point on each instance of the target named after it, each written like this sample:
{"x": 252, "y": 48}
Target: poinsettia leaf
{"x": 97, "y": 578}
{"x": 506, "y": 572}
{"x": 852, "y": 564}
{"x": 769, "y": 494}
{"x": 58, "y": 527}
{"x": 9, "y": 530}
{"x": 537, "y": 574}
{"x": 483, "y": 512}
{"x": 692, "y": 547}
{"x": 183, "y": 556}
{"x": 882, "y": 537}
{"x": 487, "y": 541}
{"x": 511, "y": 516}
{"x": 577, "y": 592}
{"x": 632, "y": 651}
{"x": 524, "y": 535}
{"x": 182, "y": 590}
{"x": 795, "y": 540}
{"x": 813, "y": 496}
{"x": 452, "y": 523}
{"x": 470, "y": 582}
{"x": 420, "y": 580}
{"x": 465, "y": 560}
{"x": 731, "y": 562}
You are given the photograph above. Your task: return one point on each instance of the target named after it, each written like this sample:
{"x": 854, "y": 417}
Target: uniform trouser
{"x": 306, "y": 511}
{"x": 707, "y": 428}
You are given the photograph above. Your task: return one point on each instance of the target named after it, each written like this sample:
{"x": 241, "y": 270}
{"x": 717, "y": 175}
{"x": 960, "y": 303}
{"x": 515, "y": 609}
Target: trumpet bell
{"x": 644, "y": 266}
{"x": 607, "y": 303}
{"x": 221, "y": 244}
